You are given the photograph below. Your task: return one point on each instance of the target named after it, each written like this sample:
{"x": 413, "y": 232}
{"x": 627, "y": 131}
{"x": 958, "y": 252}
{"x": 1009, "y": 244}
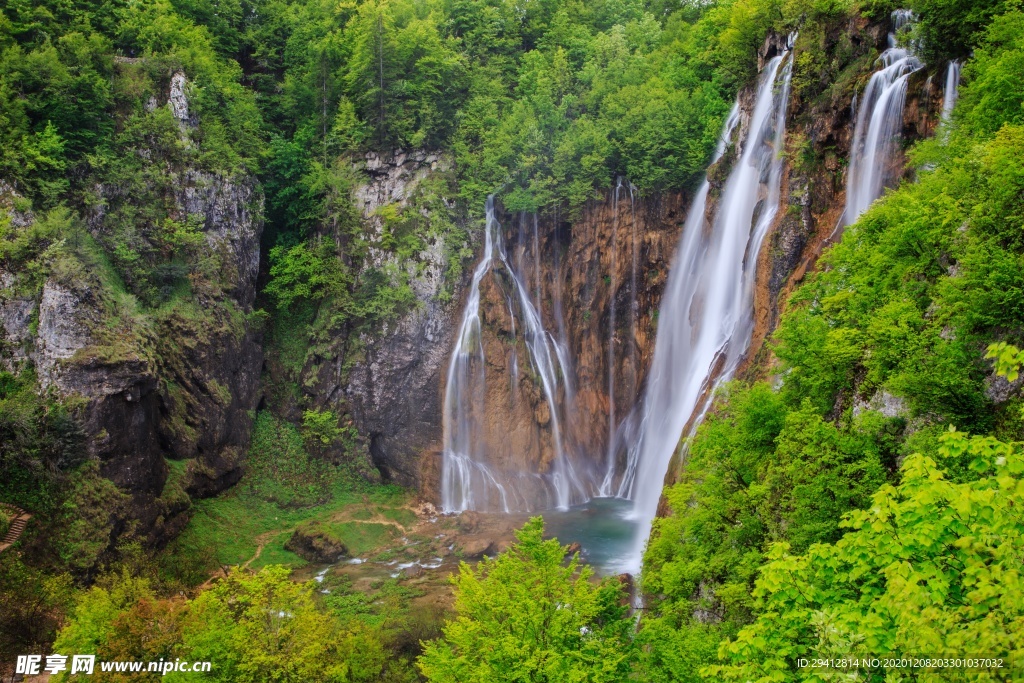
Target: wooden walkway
{"x": 19, "y": 519}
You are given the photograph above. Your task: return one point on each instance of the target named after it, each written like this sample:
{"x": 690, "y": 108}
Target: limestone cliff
{"x": 147, "y": 383}
{"x": 386, "y": 376}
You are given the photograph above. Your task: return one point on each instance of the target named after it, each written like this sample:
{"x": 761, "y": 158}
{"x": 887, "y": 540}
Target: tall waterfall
{"x": 469, "y": 480}
{"x": 879, "y": 123}
{"x": 706, "y": 316}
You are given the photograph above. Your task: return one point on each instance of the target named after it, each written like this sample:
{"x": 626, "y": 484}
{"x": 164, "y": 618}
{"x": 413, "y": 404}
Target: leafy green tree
{"x": 302, "y": 271}
{"x": 527, "y": 615}
{"x": 251, "y": 627}
{"x": 267, "y": 627}
{"x": 320, "y": 426}
{"x": 931, "y": 569}
{"x": 950, "y": 29}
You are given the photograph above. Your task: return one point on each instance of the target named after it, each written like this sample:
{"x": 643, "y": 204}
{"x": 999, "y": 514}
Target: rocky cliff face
{"x": 596, "y": 282}
{"x": 387, "y": 378}
{"x": 149, "y": 385}
{"x": 818, "y": 141}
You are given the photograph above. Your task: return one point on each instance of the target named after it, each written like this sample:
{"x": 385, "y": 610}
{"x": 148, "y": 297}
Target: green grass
{"x": 228, "y": 525}
{"x": 284, "y": 487}
{"x": 403, "y": 516}
{"x": 274, "y": 553}
{"x": 362, "y": 537}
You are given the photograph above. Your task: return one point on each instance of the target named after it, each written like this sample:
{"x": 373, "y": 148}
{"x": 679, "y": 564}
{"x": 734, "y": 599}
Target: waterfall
{"x": 879, "y": 123}
{"x": 469, "y": 481}
{"x": 949, "y": 93}
{"x": 605, "y": 488}
{"x": 633, "y": 306}
{"x": 706, "y": 316}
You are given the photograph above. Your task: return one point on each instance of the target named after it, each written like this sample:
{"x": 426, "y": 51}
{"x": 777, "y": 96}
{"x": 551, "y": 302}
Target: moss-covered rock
{"x": 315, "y": 544}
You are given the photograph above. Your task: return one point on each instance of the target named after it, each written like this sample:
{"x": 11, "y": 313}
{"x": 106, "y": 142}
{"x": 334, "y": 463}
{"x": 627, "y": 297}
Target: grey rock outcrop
{"x": 61, "y": 334}
{"x": 391, "y": 179}
{"x": 883, "y": 402}
{"x": 314, "y": 544}
{"x": 177, "y": 100}
{"x": 393, "y": 391}
{"x": 998, "y": 389}
{"x": 231, "y": 212}
{"x": 15, "y": 317}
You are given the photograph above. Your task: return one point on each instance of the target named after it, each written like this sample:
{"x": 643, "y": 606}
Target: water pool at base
{"x": 602, "y": 527}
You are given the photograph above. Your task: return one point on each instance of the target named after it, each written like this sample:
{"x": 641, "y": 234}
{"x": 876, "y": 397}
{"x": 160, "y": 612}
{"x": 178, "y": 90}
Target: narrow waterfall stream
{"x": 469, "y": 479}
{"x": 706, "y": 316}
{"x": 879, "y": 122}
{"x": 612, "y": 287}
{"x": 949, "y": 92}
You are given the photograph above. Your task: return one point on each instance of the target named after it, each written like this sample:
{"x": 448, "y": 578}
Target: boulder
{"x": 413, "y": 572}
{"x": 476, "y": 548}
{"x": 313, "y": 544}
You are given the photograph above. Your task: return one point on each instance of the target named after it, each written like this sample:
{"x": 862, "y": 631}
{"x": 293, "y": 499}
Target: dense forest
{"x": 857, "y": 490}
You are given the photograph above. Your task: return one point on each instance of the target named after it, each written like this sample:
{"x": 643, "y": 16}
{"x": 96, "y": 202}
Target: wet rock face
{"x": 617, "y": 263}
{"x": 395, "y": 394}
{"x": 596, "y": 283}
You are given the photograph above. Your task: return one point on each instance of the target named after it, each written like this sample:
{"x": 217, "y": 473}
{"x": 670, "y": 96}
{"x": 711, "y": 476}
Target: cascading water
{"x": 605, "y": 487}
{"x": 706, "y": 316}
{"x": 633, "y": 305}
{"x": 469, "y": 480}
{"x": 879, "y": 122}
{"x": 949, "y": 94}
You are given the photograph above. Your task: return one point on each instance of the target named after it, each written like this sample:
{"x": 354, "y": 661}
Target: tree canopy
{"x": 532, "y": 614}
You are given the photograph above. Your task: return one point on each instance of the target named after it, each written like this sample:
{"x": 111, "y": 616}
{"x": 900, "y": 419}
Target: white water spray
{"x": 879, "y": 123}
{"x": 706, "y": 316}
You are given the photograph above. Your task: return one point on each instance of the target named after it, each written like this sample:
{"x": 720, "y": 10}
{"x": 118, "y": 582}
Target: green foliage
{"x": 252, "y": 627}
{"x": 320, "y": 426}
{"x": 758, "y": 473}
{"x": 40, "y": 444}
{"x": 996, "y": 92}
{"x": 90, "y": 511}
{"x": 550, "y": 101}
{"x": 32, "y": 605}
{"x": 264, "y": 626}
{"x": 281, "y": 471}
{"x": 302, "y": 272}
{"x": 794, "y": 530}
{"x": 932, "y": 568}
{"x": 950, "y": 29}
{"x": 60, "y": 85}
{"x": 527, "y": 616}
{"x": 1008, "y": 360}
